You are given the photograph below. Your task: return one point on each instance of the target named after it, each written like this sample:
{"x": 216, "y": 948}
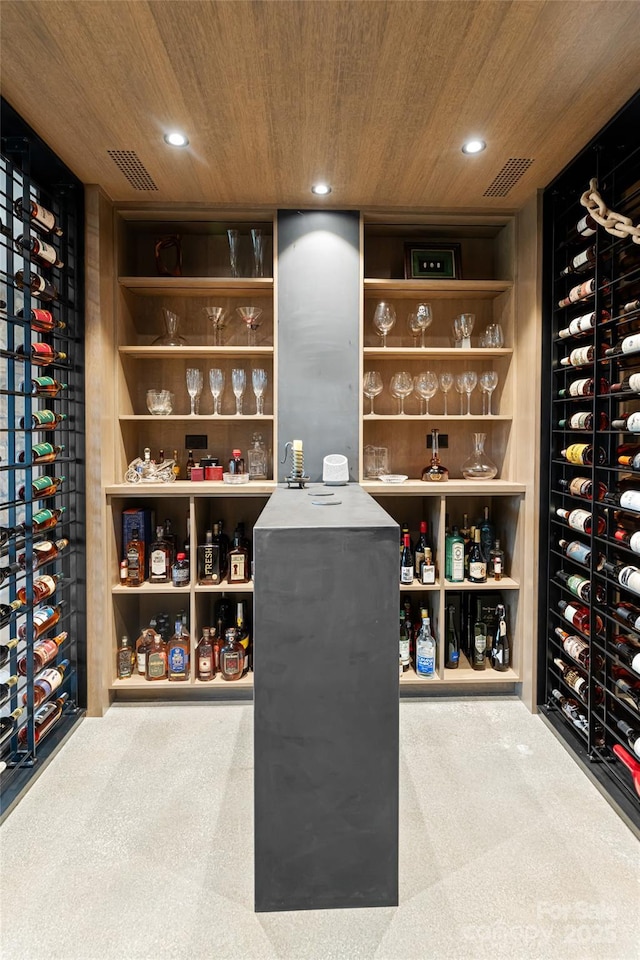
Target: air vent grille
{"x": 129, "y": 163}
{"x": 513, "y": 169}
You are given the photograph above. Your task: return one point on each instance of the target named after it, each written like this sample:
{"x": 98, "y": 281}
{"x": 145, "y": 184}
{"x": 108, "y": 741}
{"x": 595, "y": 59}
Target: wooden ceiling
{"x": 375, "y": 97}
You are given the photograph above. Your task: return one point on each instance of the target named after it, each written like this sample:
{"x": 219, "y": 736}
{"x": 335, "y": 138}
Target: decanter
{"x": 479, "y": 466}
{"x": 435, "y": 472}
{"x": 257, "y": 458}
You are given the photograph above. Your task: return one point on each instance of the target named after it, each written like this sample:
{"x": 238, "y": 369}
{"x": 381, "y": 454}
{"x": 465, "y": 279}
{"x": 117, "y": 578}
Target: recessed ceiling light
{"x": 473, "y": 146}
{"x": 176, "y": 139}
{"x": 321, "y": 189}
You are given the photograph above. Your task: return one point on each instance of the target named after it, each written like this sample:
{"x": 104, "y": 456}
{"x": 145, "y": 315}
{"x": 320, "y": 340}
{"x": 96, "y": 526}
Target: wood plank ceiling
{"x": 375, "y": 97}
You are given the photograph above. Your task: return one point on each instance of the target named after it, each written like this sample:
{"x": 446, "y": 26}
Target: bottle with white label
{"x": 583, "y": 325}
{"x": 580, "y": 587}
{"x": 581, "y": 292}
{"x": 573, "y": 679}
{"x": 626, "y": 499}
{"x": 630, "y": 383}
{"x": 627, "y": 614}
{"x": 425, "y": 649}
{"x": 630, "y": 538}
{"x": 586, "y": 226}
{"x": 579, "y": 356}
{"x": 581, "y": 520}
{"x": 629, "y": 422}
{"x": 477, "y": 562}
{"x": 405, "y": 643}
{"x": 583, "y": 420}
{"x": 582, "y": 261}
{"x": 631, "y": 734}
{"x": 578, "y": 649}
{"x": 630, "y": 344}
{"x": 580, "y": 617}
{"x": 626, "y": 575}
{"x": 501, "y": 648}
{"x": 580, "y": 553}
{"x": 583, "y": 487}
{"x": 406, "y": 561}
{"x": 628, "y": 653}
{"x": 583, "y": 454}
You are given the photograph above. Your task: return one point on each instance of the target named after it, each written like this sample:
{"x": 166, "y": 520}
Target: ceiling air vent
{"x": 129, "y": 163}
{"x": 508, "y": 177}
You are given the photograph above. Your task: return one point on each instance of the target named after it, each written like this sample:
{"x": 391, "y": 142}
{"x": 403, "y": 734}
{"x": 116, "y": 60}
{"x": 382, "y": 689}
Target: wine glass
{"x": 467, "y": 321}
{"x": 251, "y": 316}
{"x": 488, "y": 383}
{"x": 258, "y": 252}
{"x": 372, "y": 385}
{"x": 414, "y": 323}
{"x": 457, "y": 331}
{"x": 425, "y": 386}
{"x": 238, "y": 383}
{"x": 384, "y": 318}
{"x": 216, "y": 385}
{"x": 217, "y": 316}
{"x": 423, "y": 312}
{"x": 493, "y": 336}
{"x": 259, "y": 383}
{"x": 460, "y": 382}
{"x": 194, "y": 388}
{"x": 233, "y": 238}
{"x": 401, "y": 386}
{"x": 446, "y": 382}
{"x": 470, "y": 382}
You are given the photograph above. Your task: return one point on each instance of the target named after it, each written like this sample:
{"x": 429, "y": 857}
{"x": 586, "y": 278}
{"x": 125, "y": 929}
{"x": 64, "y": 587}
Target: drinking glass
{"x": 216, "y": 385}
{"x": 493, "y": 336}
{"x": 401, "y": 386}
{"x": 217, "y": 316}
{"x": 170, "y": 337}
{"x": 194, "y": 388}
{"x": 414, "y": 322}
{"x": 372, "y": 385}
{"x": 423, "y": 312}
{"x": 457, "y": 331}
{"x": 384, "y": 318}
{"x": 488, "y": 383}
{"x": 446, "y": 382}
{"x": 251, "y": 316}
{"x": 258, "y": 252}
{"x": 425, "y": 386}
{"x": 233, "y": 251}
{"x": 238, "y": 383}
{"x": 259, "y": 383}
{"x": 460, "y": 382}
{"x": 467, "y": 321}
{"x": 470, "y": 382}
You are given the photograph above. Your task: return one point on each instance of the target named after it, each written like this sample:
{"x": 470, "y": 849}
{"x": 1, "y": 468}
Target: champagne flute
{"x": 372, "y": 386}
{"x": 425, "y": 386}
{"x": 384, "y": 318}
{"x": 233, "y": 238}
{"x": 446, "y": 382}
{"x": 259, "y": 383}
{"x": 401, "y": 386}
{"x": 258, "y": 252}
{"x": 238, "y": 383}
{"x": 194, "y": 388}
{"x": 216, "y": 385}
{"x": 470, "y": 381}
{"x": 488, "y": 382}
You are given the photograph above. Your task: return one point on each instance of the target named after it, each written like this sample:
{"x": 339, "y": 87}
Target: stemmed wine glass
{"x": 238, "y": 382}
{"x": 470, "y": 382}
{"x": 414, "y": 323}
{"x": 488, "y": 383}
{"x": 259, "y": 383}
{"x": 401, "y": 386}
{"x": 232, "y": 236}
{"x": 251, "y": 316}
{"x": 194, "y": 388}
{"x": 372, "y": 385}
{"x": 460, "y": 382}
{"x": 424, "y": 315}
{"x": 384, "y": 318}
{"x": 446, "y": 382}
{"x": 463, "y": 327}
{"x": 425, "y": 386}
{"x": 216, "y": 385}
{"x": 217, "y": 317}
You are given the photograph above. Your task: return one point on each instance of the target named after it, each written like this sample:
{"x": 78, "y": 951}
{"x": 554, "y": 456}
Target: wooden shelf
{"x": 437, "y": 289}
{"x": 143, "y": 352}
{"x": 151, "y": 588}
{"x": 188, "y": 488}
{"x": 401, "y": 417}
{"x": 197, "y": 286}
{"x": 224, "y": 587}
{"x": 507, "y": 583}
{"x": 464, "y": 674}
{"x": 451, "y": 488}
{"x": 422, "y": 587}
{"x": 428, "y": 353}
{"x": 190, "y": 418}
{"x": 138, "y": 683}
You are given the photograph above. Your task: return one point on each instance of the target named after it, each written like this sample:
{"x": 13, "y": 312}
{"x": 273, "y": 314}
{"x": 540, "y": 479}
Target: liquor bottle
{"x": 8, "y": 724}
{"x": 583, "y": 454}
{"x": 43, "y": 587}
{"x": 43, "y": 321}
{"x": 628, "y": 422}
{"x": 581, "y": 520}
{"x": 628, "y": 653}
{"x": 583, "y": 291}
{"x": 159, "y": 559}
{"x": 583, "y": 421}
{"x": 44, "y": 420}
{"x": 190, "y": 463}
{"x": 583, "y": 487}
{"x": 477, "y": 562}
{"x": 487, "y": 535}
{"x": 420, "y": 551}
{"x": 43, "y": 552}
{"x": 43, "y": 620}
{"x": 44, "y": 720}
{"x": 586, "y": 226}
{"x": 626, "y": 499}
{"x": 123, "y": 658}
{"x": 583, "y": 325}
{"x": 7, "y": 610}
{"x": 156, "y": 665}
{"x": 425, "y": 648}
{"x": 38, "y": 216}
{"x": 631, "y": 734}
{"x": 44, "y": 652}
{"x": 223, "y": 616}
{"x": 628, "y": 614}
{"x": 205, "y": 666}
{"x": 625, "y": 574}
{"x": 406, "y": 561}
{"x": 236, "y": 463}
{"x": 454, "y": 557}
{"x": 178, "y": 654}
{"x": 171, "y": 538}
{"x": 571, "y": 709}
{"x": 578, "y": 649}
{"x": 435, "y": 472}
{"x": 257, "y": 458}
{"x": 244, "y": 541}
{"x": 9, "y": 571}
{"x": 239, "y": 568}
{"x": 43, "y": 453}
{"x": 573, "y": 679}
{"x": 501, "y": 648}
{"x": 582, "y": 261}
{"x": 135, "y": 559}
{"x": 405, "y": 643}
{"x": 242, "y": 634}
{"x": 428, "y": 571}
{"x": 176, "y": 465}
{"x": 580, "y": 587}
{"x": 221, "y": 541}
{"x": 452, "y": 660}
{"x": 8, "y": 533}
{"x": 496, "y": 562}
{"x": 480, "y": 637}
{"x": 38, "y": 285}
{"x": 5, "y": 650}
{"x": 208, "y": 560}
{"x": 44, "y": 387}
{"x": 42, "y": 487}
{"x": 46, "y": 519}
{"x": 579, "y": 617}
{"x": 404, "y": 532}
{"x": 40, "y": 251}
{"x": 143, "y": 644}
{"x": 630, "y": 344}
{"x": 180, "y": 574}
{"x": 47, "y": 683}
{"x": 231, "y": 656}
{"x": 630, "y": 538}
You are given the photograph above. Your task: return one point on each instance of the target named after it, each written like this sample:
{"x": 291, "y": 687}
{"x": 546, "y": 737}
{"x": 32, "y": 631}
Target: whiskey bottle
{"x": 42, "y": 487}
{"x": 581, "y": 520}
{"x": 44, "y": 420}
{"x": 156, "y": 665}
{"x": 46, "y": 519}
{"x": 43, "y": 321}
{"x": 159, "y": 559}
{"x": 583, "y": 291}
{"x": 208, "y": 560}
{"x": 242, "y": 633}
{"x": 583, "y": 261}
{"x": 583, "y": 325}
{"x": 583, "y": 487}
{"x": 190, "y": 463}
{"x": 143, "y": 643}
{"x": 583, "y": 420}
{"x": 176, "y": 465}
{"x": 5, "y": 650}
{"x": 38, "y": 216}
{"x": 231, "y": 657}
{"x": 477, "y": 562}
{"x": 435, "y": 472}
{"x": 580, "y": 587}
{"x": 452, "y": 660}
{"x": 45, "y": 719}
{"x": 135, "y": 559}
{"x": 7, "y": 688}
{"x": 480, "y": 637}
{"x": 40, "y": 251}
{"x": 406, "y": 561}
{"x": 239, "y": 569}
{"x": 7, "y": 611}
{"x": 583, "y": 454}
{"x": 579, "y": 617}
{"x": 8, "y": 724}
{"x": 180, "y": 575}
{"x": 43, "y": 453}
{"x": 205, "y": 667}
{"x": 501, "y": 648}
{"x": 43, "y": 552}
{"x": 44, "y": 652}
{"x": 496, "y": 562}
{"x": 44, "y": 387}
{"x": 8, "y": 533}
{"x": 38, "y": 285}
{"x": 47, "y": 683}
{"x": 425, "y": 648}
{"x": 43, "y": 588}
{"x": 123, "y": 658}
{"x": 179, "y": 649}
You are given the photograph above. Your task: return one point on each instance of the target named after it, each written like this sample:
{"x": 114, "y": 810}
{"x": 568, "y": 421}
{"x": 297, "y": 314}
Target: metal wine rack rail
{"x": 614, "y": 158}
{"x": 29, "y": 171}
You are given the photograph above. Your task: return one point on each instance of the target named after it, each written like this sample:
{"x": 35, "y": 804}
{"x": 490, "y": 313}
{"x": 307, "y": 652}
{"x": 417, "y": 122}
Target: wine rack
{"x": 31, "y": 176}
{"x": 596, "y": 713}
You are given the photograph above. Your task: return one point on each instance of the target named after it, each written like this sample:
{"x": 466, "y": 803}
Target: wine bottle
{"x": 573, "y": 679}
{"x": 43, "y": 619}
{"x": 584, "y": 387}
{"x": 628, "y": 455}
{"x": 44, "y": 652}
{"x": 6, "y": 688}
{"x": 453, "y": 641}
{"x": 581, "y": 520}
{"x": 405, "y": 643}
{"x": 583, "y": 291}
{"x": 582, "y": 261}
{"x": 9, "y": 724}
{"x": 9, "y": 571}
{"x": 7, "y": 610}
{"x": 579, "y": 617}
{"x": 43, "y": 587}
{"x": 5, "y": 650}
{"x": 421, "y": 547}
{"x": 578, "y": 650}
{"x": 487, "y": 534}
{"x": 575, "y": 550}
{"x": 631, "y": 734}
{"x": 42, "y": 487}
{"x": 583, "y": 325}
{"x": 43, "y": 453}
{"x": 39, "y": 216}
{"x": 629, "y": 384}
{"x": 44, "y": 420}
{"x": 480, "y": 637}
{"x": 630, "y": 344}
{"x": 580, "y": 587}
{"x": 477, "y": 562}
{"x": 580, "y": 356}
{"x": 406, "y": 561}
{"x": 583, "y": 421}
{"x": 628, "y": 500}
{"x": 627, "y": 614}
{"x": 629, "y": 422}
{"x": 45, "y": 719}
{"x": 47, "y": 683}
{"x": 628, "y": 653}
{"x": 501, "y": 649}
{"x": 583, "y": 487}
{"x": 586, "y": 226}
{"x": 425, "y": 648}
{"x": 44, "y": 387}
{"x": 38, "y": 285}
{"x": 571, "y": 709}
{"x": 631, "y": 539}
{"x": 43, "y": 321}
{"x": 583, "y": 454}
{"x": 630, "y": 307}
{"x": 627, "y": 693}
{"x": 42, "y": 354}
{"x": 43, "y": 552}
{"x": 40, "y": 251}
{"x": 435, "y": 472}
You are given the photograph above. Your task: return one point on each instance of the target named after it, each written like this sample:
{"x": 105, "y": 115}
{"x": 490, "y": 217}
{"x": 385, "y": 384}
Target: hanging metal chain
{"x": 614, "y": 223}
